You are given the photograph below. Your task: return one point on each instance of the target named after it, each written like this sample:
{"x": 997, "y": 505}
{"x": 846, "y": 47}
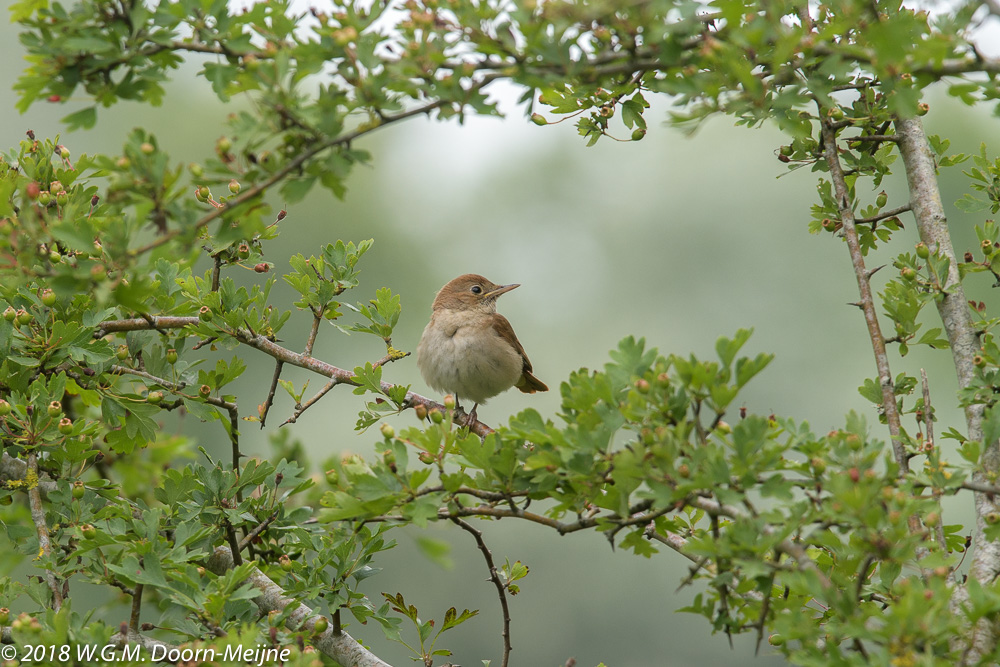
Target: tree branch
{"x": 41, "y": 528}
{"x": 867, "y": 302}
{"x": 337, "y": 645}
{"x": 495, "y": 578}
{"x": 932, "y": 223}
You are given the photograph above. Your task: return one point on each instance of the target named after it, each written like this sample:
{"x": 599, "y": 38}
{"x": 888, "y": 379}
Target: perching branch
{"x": 282, "y": 355}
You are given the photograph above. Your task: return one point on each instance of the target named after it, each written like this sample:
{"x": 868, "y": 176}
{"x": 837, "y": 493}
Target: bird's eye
{"x": 476, "y": 289}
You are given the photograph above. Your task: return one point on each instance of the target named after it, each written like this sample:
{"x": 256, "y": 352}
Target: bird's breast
{"x": 461, "y": 353}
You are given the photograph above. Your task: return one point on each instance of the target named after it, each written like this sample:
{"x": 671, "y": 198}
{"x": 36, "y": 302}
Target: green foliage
{"x": 119, "y": 306}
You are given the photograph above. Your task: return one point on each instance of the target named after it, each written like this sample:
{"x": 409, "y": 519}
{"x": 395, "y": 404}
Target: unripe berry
{"x": 923, "y": 252}
{"x": 987, "y": 247}
{"x": 5, "y": 408}
{"x": 320, "y": 626}
{"x": 332, "y": 477}
{"x": 78, "y": 490}
{"x": 223, "y": 145}
{"x": 154, "y": 397}
{"x": 4, "y": 615}
{"x": 436, "y": 416}
{"x": 23, "y": 317}
{"x": 923, "y": 108}
{"x": 234, "y": 186}
{"x": 786, "y": 150}
{"x": 204, "y": 391}
{"x": 978, "y": 361}
{"x": 122, "y": 352}
{"x": 204, "y": 193}
{"x": 285, "y": 563}
{"x": 171, "y": 356}
{"x": 48, "y": 297}
{"x": 44, "y": 197}
{"x": 993, "y": 518}
{"x": 421, "y": 410}
{"x": 539, "y": 119}
{"x": 88, "y": 531}
{"x": 55, "y": 257}
{"x": 882, "y": 199}
{"x": 196, "y": 170}
{"x": 817, "y": 464}
{"x": 33, "y": 190}
{"x": 65, "y": 425}
{"x": 638, "y": 133}
{"x": 10, "y": 314}
{"x": 449, "y": 402}
{"x": 63, "y": 152}
{"x": 684, "y": 471}
{"x": 426, "y": 458}
{"x": 263, "y": 267}
{"x": 908, "y": 274}
{"x": 642, "y": 385}
{"x": 932, "y": 519}
{"x": 243, "y": 250}
{"x": 147, "y": 148}
{"x": 388, "y": 431}
{"x": 54, "y": 409}
{"x": 56, "y": 186}
{"x": 205, "y": 313}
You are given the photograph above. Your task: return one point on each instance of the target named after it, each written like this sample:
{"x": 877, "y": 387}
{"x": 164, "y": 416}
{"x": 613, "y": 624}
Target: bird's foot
{"x": 472, "y": 417}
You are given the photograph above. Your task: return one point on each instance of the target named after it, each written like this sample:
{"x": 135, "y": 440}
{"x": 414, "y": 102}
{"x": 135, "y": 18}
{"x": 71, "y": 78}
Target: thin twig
{"x": 495, "y": 578}
{"x": 929, "y": 439}
{"x": 312, "y": 401}
{"x": 269, "y": 401}
{"x": 846, "y": 212}
{"x": 883, "y": 215}
{"x": 258, "y": 529}
{"x": 133, "y": 623}
{"x": 42, "y": 529}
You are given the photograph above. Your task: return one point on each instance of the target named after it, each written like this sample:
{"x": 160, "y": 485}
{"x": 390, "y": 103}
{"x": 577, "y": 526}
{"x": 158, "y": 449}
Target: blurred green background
{"x": 676, "y": 238}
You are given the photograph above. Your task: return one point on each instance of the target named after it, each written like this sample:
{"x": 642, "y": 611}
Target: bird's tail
{"x": 529, "y": 384}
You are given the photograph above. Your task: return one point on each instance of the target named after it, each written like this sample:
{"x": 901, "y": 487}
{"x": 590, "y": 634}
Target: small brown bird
{"x": 468, "y": 350}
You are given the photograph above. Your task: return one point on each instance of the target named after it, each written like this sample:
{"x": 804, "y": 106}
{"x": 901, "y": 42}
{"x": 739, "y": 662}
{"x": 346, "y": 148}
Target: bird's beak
{"x": 503, "y": 289}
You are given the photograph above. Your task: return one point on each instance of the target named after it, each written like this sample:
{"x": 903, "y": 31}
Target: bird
{"x": 468, "y": 349}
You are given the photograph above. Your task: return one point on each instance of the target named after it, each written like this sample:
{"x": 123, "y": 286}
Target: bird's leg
{"x": 472, "y": 415}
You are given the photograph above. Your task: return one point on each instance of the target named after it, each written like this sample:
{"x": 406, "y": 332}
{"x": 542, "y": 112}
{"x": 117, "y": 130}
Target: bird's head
{"x": 470, "y": 292}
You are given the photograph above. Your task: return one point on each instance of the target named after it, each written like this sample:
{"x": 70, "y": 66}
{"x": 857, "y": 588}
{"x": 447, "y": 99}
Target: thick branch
{"x": 925, "y": 198}
{"x": 337, "y": 645}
